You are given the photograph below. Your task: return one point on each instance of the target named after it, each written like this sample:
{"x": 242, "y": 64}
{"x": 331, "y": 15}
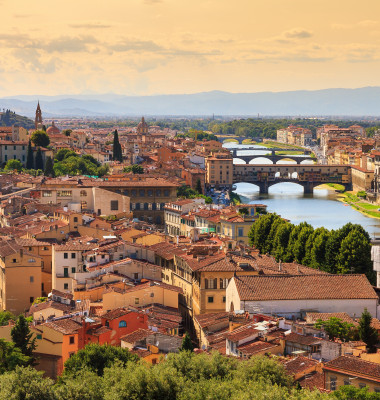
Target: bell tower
{"x": 38, "y": 119}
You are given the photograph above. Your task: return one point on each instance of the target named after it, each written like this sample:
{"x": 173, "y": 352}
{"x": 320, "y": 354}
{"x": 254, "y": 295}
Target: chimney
{"x": 279, "y": 266}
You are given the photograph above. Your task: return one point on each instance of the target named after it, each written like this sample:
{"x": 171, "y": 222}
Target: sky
{"x": 147, "y": 47}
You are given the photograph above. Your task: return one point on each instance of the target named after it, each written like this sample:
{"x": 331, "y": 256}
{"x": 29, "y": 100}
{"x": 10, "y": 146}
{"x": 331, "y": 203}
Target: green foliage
{"x": 367, "y": 333}
{"x": 336, "y": 328}
{"x": 13, "y": 165}
{"x": 361, "y": 193}
{"x": 185, "y": 191}
{"x": 187, "y": 344}
{"x": 30, "y": 157}
{"x": 199, "y": 134}
{"x": 235, "y": 198}
{"x": 5, "y": 317}
{"x": 67, "y": 162}
{"x": 11, "y": 357}
{"x": 25, "y": 384}
{"x": 40, "y": 139}
{"x": 40, "y": 300}
{"x": 339, "y": 251}
{"x": 135, "y": 169}
{"x": 39, "y": 160}
{"x": 95, "y": 358}
{"x": 9, "y": 118}
{"x": 182, "y": 376}
{"x": 117, "y": 151}
{"x": 243, "y": 211}
{"x": 49, "y": 170}
{"x": 22, "y": 337}
{"x": 67, "y": 132}
{"x": 350, "y": 392}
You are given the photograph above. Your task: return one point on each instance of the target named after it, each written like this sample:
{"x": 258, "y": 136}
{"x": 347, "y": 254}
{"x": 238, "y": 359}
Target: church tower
{"x": 38, "y": 119}
{"x": 142, "y": 127}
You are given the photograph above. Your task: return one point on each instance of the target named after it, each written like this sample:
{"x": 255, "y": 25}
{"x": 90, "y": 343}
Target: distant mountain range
{"x": 328, "y": 102}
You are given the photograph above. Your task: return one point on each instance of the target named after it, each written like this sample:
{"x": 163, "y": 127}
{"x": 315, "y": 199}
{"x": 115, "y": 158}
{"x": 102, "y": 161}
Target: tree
{"x": 355, "y": 253}
{"x": 95, "y": 358}
{"x": 260, "y": 230}
{"x": 25, "y": 384}
{"x": 13, "y": 165}
{"x": 198, "y": 187}
{"x": 64, "y": 153}
{"x": 49, "y": 170}
{"x": 30, "y": 157}
{"x": 40, "y": 138}
{"x": 22, "y": 337}
{"x": 300, "y": 244}
{"x": 5, "y": 317}
{"x": 367, "y": 333}
{"x": 117, "y": 151}
{"x": 11, "y": 357}
{"x": 39, "y": 159}
{"x": 281, "y": 240}
{"x": 67, "y": 132}
{"x": 187, "y": 344}
{"x": 135, "y": 169}
{"x": 336, "y": 328}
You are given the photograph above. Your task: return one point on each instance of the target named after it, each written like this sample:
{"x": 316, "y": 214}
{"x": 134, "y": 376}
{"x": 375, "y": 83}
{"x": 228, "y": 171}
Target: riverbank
{"x": 357, "y": 203}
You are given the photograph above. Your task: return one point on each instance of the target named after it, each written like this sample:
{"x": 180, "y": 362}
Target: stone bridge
{"x": 273, "y": 157}
{"x": 240, "y": 139}
{"x": 308, "y": 176}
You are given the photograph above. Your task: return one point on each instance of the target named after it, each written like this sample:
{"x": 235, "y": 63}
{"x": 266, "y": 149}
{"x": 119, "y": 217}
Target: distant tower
{"x": 142, "y": 127}
{"x": 38, "y": 119}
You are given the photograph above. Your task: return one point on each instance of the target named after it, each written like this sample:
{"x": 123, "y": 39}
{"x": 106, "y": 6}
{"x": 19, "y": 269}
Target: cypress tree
{"x": 49, "y": 171}
{"x": 30, "y": 157}
{"x": 198, "y": 187}
{"x": 187, "y": 344}
{"x": 39, "y": 160}
{"x": 22, "y": 336}
{"x": 117, "y": 153}
{"x": 367, "y": 333}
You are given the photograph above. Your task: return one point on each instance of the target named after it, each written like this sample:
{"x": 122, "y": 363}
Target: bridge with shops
{"x": 271, "y": 155}
{"x": 239, "y": 139}
{"x": 307, "y": 175}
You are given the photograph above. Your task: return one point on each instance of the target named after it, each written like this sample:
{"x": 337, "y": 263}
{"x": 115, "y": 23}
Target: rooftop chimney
{"x": 279, "y": 266}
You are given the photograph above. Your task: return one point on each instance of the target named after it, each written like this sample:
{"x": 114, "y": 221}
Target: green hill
{"x": 9, "y": 118}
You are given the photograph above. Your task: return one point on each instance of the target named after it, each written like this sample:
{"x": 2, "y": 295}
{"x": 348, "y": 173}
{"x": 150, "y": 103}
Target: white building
{"x": 293, "y": 296}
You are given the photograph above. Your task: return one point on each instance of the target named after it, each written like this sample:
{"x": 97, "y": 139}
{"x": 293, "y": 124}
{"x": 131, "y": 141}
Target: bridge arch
{"x": 246, "y": 187}
{"x": 238, "y": 160}
{"x": 260, "y": 160}
{"x": 287, "y": 160}
{"x": 297, "y": 187}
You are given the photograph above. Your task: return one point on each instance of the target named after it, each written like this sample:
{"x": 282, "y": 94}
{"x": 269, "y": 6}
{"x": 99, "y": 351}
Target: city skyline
{"x": 148, "y": 47}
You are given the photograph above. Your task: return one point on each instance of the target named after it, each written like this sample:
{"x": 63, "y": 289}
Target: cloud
{"x": 152, "y": 2}
{"x": 297, "y": 34}
{"x": 136, "y": 45}
{"x": 69, "y": 44}
{"x": 90, "y": 25}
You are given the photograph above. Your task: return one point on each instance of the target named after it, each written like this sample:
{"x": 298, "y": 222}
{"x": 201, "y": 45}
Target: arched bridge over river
{"x": 306, "y": 175}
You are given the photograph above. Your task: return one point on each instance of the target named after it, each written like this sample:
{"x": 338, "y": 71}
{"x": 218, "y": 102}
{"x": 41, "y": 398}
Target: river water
{"x": 288, "y": 200}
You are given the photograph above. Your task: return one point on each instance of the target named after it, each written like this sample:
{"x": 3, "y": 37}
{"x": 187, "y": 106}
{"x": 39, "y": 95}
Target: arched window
{"x": 83, "y": 193}
{"x": 122, "y": 324}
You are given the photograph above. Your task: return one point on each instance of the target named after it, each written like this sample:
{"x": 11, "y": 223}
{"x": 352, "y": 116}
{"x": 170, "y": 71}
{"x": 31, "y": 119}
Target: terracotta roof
{"x": 8, "y": 248}
{"x": 354, "y": 366}
{"x": 314, "y": 317}
{"x": 205, "y": 320}
{"x": 58, "y": 293}
{"x": 302, "y": 339}
{"x": 66, "y": 326}
{"x": 279, "y": 287}
{"x": 49, "y": 304}
{"x": 255, "y": 346}
{"x": 136, "y": 335}
{"x": 313, "y": 380}
{"x": 298, "y": 364}
{"x": 116, "y": 313}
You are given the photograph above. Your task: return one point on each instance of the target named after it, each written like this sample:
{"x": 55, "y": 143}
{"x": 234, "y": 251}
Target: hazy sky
{"x": 182, "y": 46}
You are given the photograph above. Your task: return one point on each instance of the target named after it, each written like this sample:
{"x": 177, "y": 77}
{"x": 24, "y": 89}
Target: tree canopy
{"x": 67, "y": 162}
{"x": 40, "y": 139}
{"x": 340, "y": 251}
{"x": 13, "y": 165}
{"x": 135, "y": 169}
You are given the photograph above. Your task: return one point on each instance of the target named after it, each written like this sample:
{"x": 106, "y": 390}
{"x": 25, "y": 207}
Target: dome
{"x": 52, "y": 129}
{"x": 142, "y": 127}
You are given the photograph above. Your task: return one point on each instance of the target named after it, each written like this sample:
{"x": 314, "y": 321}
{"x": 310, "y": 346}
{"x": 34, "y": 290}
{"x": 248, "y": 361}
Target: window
{"x": 5, "y": 157}
{"x": 42, "y": 287}
{"x": 64, "y": 193}
{"x": 31, "y": 299}
{"x": 31, "y": 260}
{"x": 211, "y": 283}
{"x": 136, "y": 275}
{"x": 142, "y": 193}
{"x": 210, "y": 299}
{"x": 39, "y": 336}
{"x": 65, "y": 255}
{"x": 31, "y": 279}
{"x": 122, "y": 324}
{"x": 66, "y": 286}
{"x": 347, "y": 382}
{"x": 134, "y": 192}
{"x": 137, "y": 206}
{"x": 166, "y": 192}
{"x": 362, "y": 385}
{"x": 75, "y": 219}
{"x": 224, "y": 299}
{"x": 73, "y": 270}
{"x": 73, "y": 255}
{"x": 332, "y": 383}
{"x": 45, "y": 248}
{"x": 240, "y": 232}
{"x": 223, "y": 283}
{"x": 158, "y": 192}
{"x": 126, "y": 192}
{"x": 145, "y": 206}
{"x": 114, "y": 205}
{"x": 14, "y": 260}
{"x": 83, "y": 193}
{"x": 137, "y": 300}
{"x": 83, "y": 205}
{"x": 66, "y": 272}
{"x": 150, "y": 192}
{"x": 72, "y": 339}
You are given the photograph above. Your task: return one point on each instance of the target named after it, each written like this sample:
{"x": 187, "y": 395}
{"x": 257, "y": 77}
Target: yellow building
{"x": 20, "y": 277}
{"x": 348, "y": 370}
{"x": 151, "y": 292}
{"x": 219, "y": 170}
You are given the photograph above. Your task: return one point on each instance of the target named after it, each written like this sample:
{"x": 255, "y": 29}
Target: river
{"x": 288, "y": 200}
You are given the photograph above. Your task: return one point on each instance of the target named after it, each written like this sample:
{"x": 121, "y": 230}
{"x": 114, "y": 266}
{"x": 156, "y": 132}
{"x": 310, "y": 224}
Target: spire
{"x": 38, "y": 119}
